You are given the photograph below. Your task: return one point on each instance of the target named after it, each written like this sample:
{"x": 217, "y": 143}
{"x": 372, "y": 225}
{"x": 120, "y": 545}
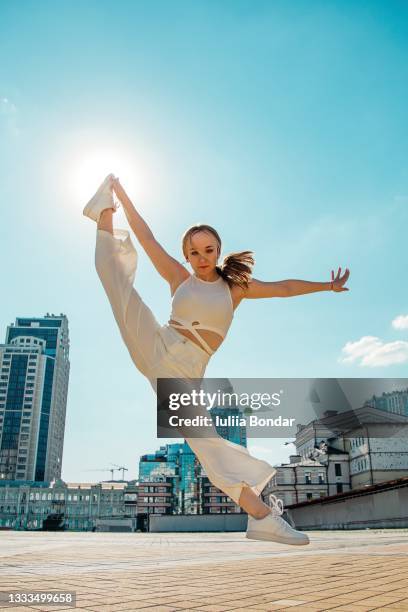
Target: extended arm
{"x": 168, "y": 267}
{"x": 292, "y": 287}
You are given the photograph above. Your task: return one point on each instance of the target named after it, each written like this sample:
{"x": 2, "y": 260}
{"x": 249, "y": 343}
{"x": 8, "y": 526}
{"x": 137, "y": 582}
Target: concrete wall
{"x": 118, "y": 525}
{"x": 387, "y": 508}
{"x": 201, "y": 522}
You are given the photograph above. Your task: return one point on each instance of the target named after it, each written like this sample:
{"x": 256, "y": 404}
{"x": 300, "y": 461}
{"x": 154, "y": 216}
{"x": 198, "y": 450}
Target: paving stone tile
{"x": 216, "y": 608}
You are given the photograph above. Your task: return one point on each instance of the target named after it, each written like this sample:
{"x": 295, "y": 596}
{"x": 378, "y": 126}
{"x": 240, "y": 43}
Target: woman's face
{"x": 202, "y": 252}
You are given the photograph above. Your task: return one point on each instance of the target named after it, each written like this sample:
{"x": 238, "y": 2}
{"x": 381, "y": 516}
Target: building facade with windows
{"x": 395, "y": 402}
{"x": 214, "y": 501}
{"x": 156, "y": 496}
{"x": 302, "y": 480}
{"x": 373, "y": 451}
{"x": 34, "y": 375}
{"x": 69, "y": 506}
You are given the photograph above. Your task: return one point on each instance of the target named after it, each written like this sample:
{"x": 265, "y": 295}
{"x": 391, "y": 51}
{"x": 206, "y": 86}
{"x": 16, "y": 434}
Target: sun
{"x": 93, "y": 167}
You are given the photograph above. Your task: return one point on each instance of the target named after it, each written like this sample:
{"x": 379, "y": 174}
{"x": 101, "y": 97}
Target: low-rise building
{"x": 331, "y": 461}
{"x": 306, "y": 479}
{"x": 155, "y": 496}
{"x": 213, "y": 500}
{"x": 34, "y": 505}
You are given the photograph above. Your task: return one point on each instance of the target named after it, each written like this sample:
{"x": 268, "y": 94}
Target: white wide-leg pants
{"x": 159, "y": 351}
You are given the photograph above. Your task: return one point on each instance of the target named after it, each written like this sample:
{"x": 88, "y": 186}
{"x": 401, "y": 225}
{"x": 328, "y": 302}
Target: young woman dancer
{"x": 202, "y": 311}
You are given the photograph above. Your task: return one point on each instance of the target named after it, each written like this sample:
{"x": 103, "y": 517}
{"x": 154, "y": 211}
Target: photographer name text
{"x": 252, "y": 420}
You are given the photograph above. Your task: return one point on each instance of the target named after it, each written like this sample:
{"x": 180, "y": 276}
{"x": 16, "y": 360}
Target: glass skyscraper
{"x": 34, "y": 374}
{"x": 163, "y": 462}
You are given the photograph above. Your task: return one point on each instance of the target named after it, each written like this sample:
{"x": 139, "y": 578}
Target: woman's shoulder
{"x": 181, "y": 278}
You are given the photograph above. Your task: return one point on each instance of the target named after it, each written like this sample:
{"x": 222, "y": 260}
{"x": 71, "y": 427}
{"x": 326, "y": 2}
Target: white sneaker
{"x": 274, "y": 528}
{"x": 102, "y": 199}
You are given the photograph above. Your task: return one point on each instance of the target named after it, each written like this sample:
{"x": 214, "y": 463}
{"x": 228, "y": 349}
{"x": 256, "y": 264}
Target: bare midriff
{"x": 211, "y": 338}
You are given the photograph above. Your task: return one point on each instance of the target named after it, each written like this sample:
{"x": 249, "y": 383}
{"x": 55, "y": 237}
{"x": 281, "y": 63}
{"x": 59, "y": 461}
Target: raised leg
{"x": 105, "y": 222}
{"x": 116, "y": 262}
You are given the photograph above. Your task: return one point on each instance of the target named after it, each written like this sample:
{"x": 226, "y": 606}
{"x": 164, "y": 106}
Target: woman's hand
{"x": 338, "y": 282}
{"x": 119, "y": 191}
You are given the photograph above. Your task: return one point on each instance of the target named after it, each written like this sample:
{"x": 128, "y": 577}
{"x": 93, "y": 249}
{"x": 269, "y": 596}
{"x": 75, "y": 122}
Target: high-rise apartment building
{"x": 34, "y": 374}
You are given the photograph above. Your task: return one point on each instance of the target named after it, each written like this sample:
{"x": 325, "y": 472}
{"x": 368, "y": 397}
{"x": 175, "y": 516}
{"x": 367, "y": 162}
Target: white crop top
{"x": 199, "y": 304}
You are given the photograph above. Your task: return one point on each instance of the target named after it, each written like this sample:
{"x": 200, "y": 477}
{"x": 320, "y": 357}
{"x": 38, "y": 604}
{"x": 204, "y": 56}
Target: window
{"x": 308, "y": 477}
{"x": 339, "y": 487}
{"x": 337, "y": 468}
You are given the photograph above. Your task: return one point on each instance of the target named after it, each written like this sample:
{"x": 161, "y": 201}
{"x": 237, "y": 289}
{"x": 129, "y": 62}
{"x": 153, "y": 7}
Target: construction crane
{"x": 111, "y": 470}
{"x": 121, "y": 467}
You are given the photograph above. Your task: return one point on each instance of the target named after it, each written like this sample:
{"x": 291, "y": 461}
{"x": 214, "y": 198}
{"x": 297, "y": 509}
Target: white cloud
{"x": 372, "y": 352}
{"x": 400, "y": 322}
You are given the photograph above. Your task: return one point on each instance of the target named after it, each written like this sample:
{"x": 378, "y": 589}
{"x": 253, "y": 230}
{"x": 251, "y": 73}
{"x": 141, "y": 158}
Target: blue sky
{"x": 282, "y": 124}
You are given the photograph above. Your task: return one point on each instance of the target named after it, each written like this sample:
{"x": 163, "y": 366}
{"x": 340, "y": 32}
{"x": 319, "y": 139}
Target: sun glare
{"x": 92, "y": 168}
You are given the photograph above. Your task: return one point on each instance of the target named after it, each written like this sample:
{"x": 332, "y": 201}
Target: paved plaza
{"x": 212, "y": 572}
